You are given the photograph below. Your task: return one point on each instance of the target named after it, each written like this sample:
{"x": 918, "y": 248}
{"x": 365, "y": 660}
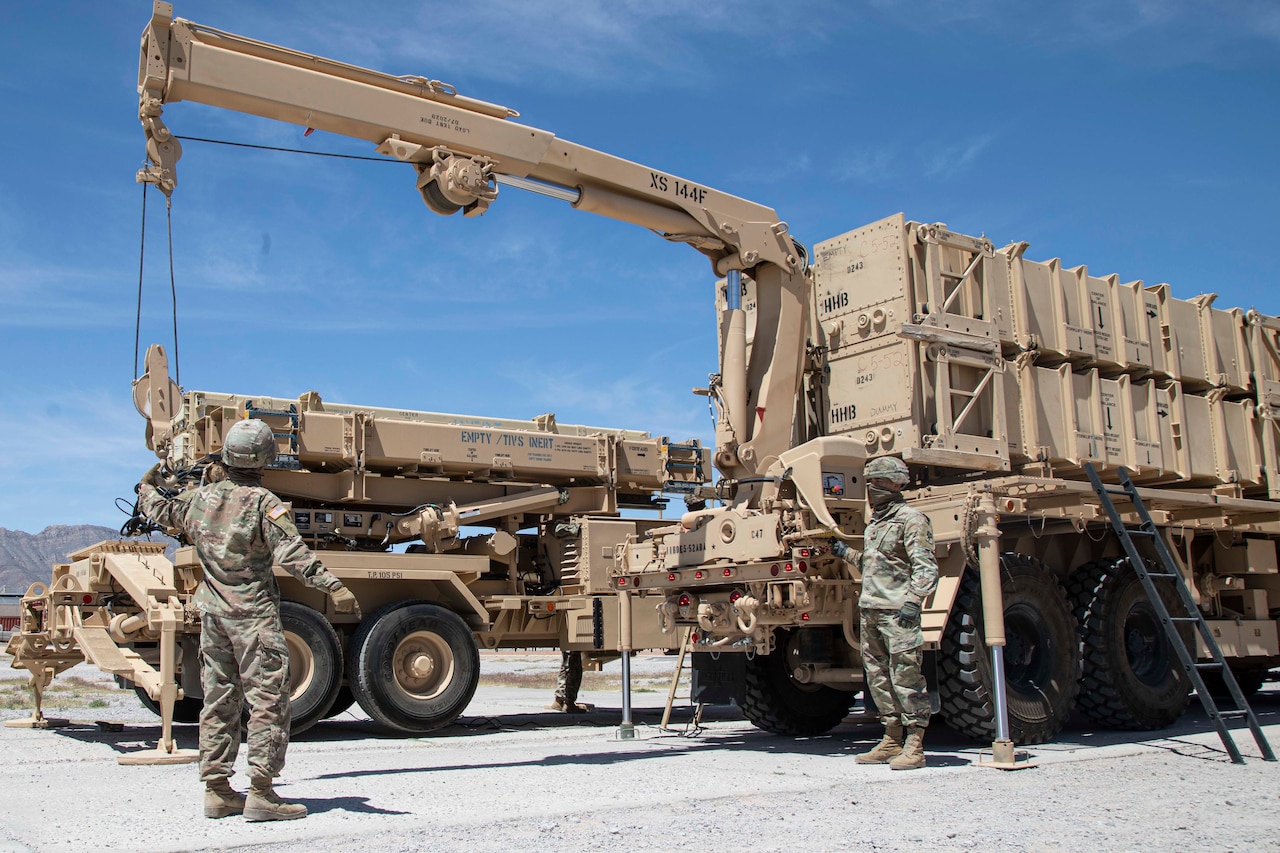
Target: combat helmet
{"x": 889, "y": 468}
{"x": 249, "y": 444}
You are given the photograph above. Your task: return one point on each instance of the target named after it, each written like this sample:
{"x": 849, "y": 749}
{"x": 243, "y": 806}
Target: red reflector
{"x": 804, "y": 617}
{"x": 790, "y": 567}
{"x": 694, "y": 637}
{"x": 773, "y": 570}
{"x": 804, "y": 567}
{"x": 88, "y": 599}
{"x": 698, "y": 574}
{"x": 728, "y": 573}
{"x": 671, "y": 576}
{"x": 684, "y": 601}
{"x": 734, "y": 596}
{"x": 622, "y": 581}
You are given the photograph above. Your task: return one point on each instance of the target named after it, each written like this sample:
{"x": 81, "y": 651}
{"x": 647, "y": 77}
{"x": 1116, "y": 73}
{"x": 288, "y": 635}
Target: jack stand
{"x": 160, "y": 756}
{"x": 38, "y": 720}
{"x": 627, "y": 730}
{"x": 1003, "y": 754}
{"x": 1005, "y": 757}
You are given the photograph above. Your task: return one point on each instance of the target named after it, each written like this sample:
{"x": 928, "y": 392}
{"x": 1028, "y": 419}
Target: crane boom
{"x": 462, "y": 149}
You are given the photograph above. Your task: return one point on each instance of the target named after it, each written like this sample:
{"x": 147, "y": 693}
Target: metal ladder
{"x": 681, "y": 668}
{"x": 1168, "y": 568}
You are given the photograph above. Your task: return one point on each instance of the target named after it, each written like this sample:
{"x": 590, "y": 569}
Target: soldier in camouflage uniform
{"x": 899, "y": 571}
{"x": 568, "y": 683}
{"x": 239, "y": 529}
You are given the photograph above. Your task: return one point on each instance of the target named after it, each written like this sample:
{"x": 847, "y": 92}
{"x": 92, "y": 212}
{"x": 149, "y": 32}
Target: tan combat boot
{"x": 221, "y": 800}
{"x": 888, "y": 747}
{"x": 263, "y": 804}
{"x": 912, "y": 755}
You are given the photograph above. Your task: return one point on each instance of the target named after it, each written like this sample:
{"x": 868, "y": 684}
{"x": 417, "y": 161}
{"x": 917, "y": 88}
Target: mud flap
{"x": 718, "y": 679}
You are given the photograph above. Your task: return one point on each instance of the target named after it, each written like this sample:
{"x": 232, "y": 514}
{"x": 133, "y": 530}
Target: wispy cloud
{"x": 865, "y": 166}
{"x": 956, "y": 157}
{"x": 633, "y": 42}
{"x": 66, "y": 457}
{"x": 1161, "y": 32}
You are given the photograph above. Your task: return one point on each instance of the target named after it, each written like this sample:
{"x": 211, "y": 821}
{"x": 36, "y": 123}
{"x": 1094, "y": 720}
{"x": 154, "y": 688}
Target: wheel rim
{"x": 1144, "y": 645}
{"x": 1028, "y": 659}
{"x": 302, "y": 665}
{"x": 423, "y": 665}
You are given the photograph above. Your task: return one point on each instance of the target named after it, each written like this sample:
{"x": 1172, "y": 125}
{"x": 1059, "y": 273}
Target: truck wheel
{"x": 414, "y": 666}
{"x": 184, "y": 710}
{"x": 774, "y": 701}
{"x": 315, "y": 664}
{"x": 1131, "y": 677}
{"x": 344, "y": 701}
{"x": 1041, "y": 657}
{"x": 1249, "y": 679}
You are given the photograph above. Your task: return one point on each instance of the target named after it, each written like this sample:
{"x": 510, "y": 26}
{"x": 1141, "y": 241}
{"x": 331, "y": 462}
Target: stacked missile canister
{"x": 952, "y": 353}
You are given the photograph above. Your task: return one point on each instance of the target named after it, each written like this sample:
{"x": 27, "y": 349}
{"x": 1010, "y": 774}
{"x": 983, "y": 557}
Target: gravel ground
{"x": 512, "y": 776}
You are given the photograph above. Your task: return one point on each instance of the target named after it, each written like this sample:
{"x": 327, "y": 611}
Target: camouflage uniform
{"x": 238, "y": 532}
{"x": 569, "y": 682}
{"x": 898, "y": 565}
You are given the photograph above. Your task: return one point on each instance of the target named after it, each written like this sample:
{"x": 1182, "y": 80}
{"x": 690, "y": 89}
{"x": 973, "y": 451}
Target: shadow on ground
{"x": 847, "y": 738}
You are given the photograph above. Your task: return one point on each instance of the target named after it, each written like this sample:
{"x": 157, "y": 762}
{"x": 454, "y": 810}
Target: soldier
{"x": 568, "y": 683}
{"x": 239, "y": 529}
{"x": 899, "y": 571}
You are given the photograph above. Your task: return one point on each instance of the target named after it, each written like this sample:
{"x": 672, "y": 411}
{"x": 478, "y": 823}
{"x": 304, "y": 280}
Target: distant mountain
{"x": 26, "y": 558}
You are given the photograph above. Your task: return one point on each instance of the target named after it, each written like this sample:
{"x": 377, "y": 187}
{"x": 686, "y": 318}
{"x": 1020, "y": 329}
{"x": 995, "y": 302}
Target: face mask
{"x": 880, "y": 498}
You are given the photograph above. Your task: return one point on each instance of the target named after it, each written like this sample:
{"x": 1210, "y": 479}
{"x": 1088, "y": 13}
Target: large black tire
{"x": 774, "y": 701}
{"x": 184, "y": 710}
{"x": 1249, "y": 680}
{"x": 414, "y": 667}
{"x": 344, "y": 701}
{"x": 1131, "y": 677}
{"x": 1041, "y": 656}
{"x": 315, "y": 664}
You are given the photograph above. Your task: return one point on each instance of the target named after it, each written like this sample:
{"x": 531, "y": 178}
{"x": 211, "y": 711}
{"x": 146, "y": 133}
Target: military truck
{"x": 999, "y": 380}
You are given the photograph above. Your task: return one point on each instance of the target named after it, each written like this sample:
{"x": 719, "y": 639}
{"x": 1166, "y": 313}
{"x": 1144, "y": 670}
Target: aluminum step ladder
{"x": 681, "y": 668}
{"x": 1168, "y": 568}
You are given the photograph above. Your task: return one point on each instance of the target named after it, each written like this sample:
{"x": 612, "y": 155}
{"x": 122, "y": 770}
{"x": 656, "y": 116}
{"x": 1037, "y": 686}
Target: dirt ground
{"x": 511, "y": 776}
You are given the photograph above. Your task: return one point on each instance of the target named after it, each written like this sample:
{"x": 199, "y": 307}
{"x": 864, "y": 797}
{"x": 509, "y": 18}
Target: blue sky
{"x": 1135, "y": 136}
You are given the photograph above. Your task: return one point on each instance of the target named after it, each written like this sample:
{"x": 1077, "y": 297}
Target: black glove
{"x": 909, "y": 615}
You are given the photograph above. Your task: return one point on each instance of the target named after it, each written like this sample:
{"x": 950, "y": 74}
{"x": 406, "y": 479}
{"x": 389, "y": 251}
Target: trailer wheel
{"x": 1041, "y": 657}
{"x": 1131, "y": 678}
{"x": 774, "y": 701}
{"x": 185, "y": 710}
{"x": 315, "y": 664}
{"x": 414, "y": 666}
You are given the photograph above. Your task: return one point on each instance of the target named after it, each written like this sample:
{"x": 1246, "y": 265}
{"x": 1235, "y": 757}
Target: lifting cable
{"x": 173, "y": 291}
{"x": 288, "y": 150}
{"x": 173, "y": 288}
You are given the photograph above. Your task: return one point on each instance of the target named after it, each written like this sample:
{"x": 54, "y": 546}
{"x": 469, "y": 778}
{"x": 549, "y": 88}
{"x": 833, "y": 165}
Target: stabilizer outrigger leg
{"x": 1004, "y": 756}
{"x": 166, "y": 751}
{"x": 38, "y": 680}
